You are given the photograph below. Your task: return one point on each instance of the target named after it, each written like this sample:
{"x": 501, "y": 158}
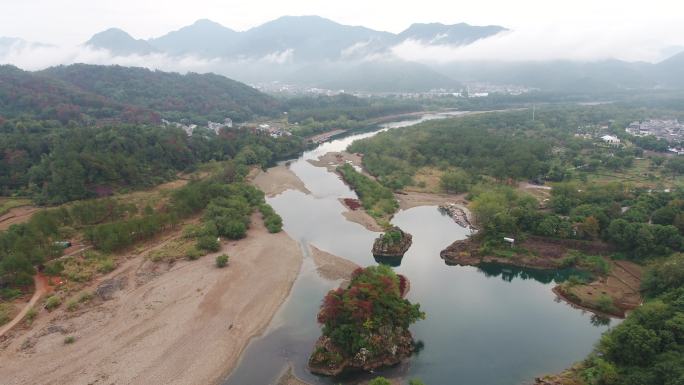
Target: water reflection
{"x": 509, "y": 273}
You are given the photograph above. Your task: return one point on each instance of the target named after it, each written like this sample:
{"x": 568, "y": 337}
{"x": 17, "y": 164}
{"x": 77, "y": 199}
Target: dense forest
{"x": 90, "y": 93}
{"x": 55, "y": 164}
{"x": 511, "y": 146}
{"x": 196, "y": 97}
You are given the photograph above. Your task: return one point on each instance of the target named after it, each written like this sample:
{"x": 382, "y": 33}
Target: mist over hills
{"x": 311, "y": 51}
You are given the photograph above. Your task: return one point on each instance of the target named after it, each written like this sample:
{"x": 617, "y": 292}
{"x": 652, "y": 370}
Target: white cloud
{"x": 279, "y": 57}
{"x": 37, "y": 57}
{"x": 552, "y": 42}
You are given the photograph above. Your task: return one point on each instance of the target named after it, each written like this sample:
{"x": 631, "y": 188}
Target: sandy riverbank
{"x": 277, "y": 180}
{"x": 332, "y": 267}
{"x": 187, "y": 325}
{"x": 331, "y": 160}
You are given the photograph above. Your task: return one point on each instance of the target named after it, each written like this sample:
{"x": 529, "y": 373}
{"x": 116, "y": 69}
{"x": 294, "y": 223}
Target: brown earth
{"x": 16, "y": 216}
{"x": 277, "y": 180}
{"x": 621, "y": 284}
{"x": 361, "y": 217}
{"x": 182, "y": 323}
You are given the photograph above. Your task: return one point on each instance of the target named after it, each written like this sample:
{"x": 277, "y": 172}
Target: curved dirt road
{"x": 41, "y": 285}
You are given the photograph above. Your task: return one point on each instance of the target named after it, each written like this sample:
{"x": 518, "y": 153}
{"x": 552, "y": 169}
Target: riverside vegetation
{"x": 365, "y": 325}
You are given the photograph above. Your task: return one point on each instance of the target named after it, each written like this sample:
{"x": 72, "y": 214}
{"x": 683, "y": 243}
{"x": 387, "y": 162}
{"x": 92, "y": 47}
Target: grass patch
{"x": 31, "y": 315}
{"x": 6, "y": 310}
{"x": 177, "y": 249}
{"x": 69, "y": 340}
{"x": 72, "y": 304}
{"x": 83, "y": 269}
{"x": 377, "y": 200}
{"x": 7, "y": 204}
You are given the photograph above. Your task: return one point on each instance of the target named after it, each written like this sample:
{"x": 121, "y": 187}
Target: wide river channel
{"x": 485, "y": 326}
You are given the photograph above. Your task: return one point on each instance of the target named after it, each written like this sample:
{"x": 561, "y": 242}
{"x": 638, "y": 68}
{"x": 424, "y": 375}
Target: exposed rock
{"x": 329, "y": 360}
{"x": 392, "y": 244}
{"x": 107, "y": 288}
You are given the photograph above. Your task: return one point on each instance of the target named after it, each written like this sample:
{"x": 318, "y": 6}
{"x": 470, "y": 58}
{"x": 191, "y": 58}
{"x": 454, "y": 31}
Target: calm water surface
{"x": 485, "y": 326}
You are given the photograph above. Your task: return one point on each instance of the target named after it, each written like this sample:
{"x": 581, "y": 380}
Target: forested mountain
{"x": 317, "y": 52}
{"x": 118, "y": 42}
{"x": 43, "y": 97}
{"x": 300, "y": 38}
{"x": 85, "y": 93}
{"x": 204, "y": 38}
{"x": 175, "y": 96}
{"x": 456, "y": 34}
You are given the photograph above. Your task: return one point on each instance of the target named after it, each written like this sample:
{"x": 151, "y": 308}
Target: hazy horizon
{"x": 540, "y": 30}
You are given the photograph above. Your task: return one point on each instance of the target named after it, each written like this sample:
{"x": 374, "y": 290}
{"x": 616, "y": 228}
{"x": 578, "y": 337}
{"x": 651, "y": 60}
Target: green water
{"x": 491, "y": 325}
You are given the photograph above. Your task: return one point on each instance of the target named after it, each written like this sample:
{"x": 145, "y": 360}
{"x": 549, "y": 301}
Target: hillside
{"x": 36, "y": 95}
{"x": 84, "y": 93}
{"x": 175, "y": 96}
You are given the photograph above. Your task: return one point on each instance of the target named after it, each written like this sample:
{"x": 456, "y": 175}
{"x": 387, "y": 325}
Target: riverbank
{"x": 331, "y": 266}
{"x": 612, "y": 292}
{"x": 176, "y": 324}
{"x": 276, "y": 180}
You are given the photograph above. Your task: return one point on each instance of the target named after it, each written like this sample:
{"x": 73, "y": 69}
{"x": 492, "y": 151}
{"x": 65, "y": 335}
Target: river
{"x": 484, "y": 326}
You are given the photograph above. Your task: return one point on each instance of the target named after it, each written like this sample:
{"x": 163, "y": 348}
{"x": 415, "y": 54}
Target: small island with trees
{"x": 392, "y": 245}
{"x": 365, "y": 326}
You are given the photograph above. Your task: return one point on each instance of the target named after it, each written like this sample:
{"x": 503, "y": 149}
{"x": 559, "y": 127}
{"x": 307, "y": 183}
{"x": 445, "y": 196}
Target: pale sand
{"x": 413, "y": 199}
{"x": 361, "y": 217}
{"x": 188, "y": 325}
{"x": 277, "y": 180}
{"x": 332, "y": 267}
{"x": 331, "y": 160}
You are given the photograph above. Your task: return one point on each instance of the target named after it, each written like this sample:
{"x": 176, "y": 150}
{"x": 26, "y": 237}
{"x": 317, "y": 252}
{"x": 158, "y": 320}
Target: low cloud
{"x": 591, "y": 43}
{"x": 37, "y": 57}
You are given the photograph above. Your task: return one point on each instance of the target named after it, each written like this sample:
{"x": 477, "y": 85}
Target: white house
{"x": 610, "y": 139}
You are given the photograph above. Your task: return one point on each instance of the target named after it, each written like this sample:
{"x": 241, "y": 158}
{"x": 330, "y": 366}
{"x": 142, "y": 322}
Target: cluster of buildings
{"x": 272, "y": 131}
{"x": 190, "y": 128}
{"x": 669, "y": 129}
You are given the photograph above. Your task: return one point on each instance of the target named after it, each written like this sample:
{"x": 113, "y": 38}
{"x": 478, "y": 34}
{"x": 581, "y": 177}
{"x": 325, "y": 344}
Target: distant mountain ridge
{"x": 303, "y": 38}
{"x": 119, "y": 42}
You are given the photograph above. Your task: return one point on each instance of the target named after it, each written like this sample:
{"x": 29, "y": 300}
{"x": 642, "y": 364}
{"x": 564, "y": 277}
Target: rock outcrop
{"x": 329, "y": 360}
{"x": 392, "y": 244}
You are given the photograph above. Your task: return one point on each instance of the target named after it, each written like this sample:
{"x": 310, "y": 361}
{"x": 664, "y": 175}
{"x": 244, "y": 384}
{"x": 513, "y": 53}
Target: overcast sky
{"x": 626, "y": 29}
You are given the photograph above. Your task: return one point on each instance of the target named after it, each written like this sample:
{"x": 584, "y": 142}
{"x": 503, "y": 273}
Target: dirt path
{"x": 41, "y": 287}
{"x": 181, "y": 324}
{"x": 16, "y": 216}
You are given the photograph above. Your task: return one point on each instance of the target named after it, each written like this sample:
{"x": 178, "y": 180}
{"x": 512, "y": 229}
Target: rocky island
{"x": 365, "y": 326}
{"x": 392, "y": 245}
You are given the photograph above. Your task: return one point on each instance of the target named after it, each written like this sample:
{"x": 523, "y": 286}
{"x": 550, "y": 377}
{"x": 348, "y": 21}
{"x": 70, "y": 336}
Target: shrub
{"x": 208, "y": 243}
{"x": 106, "y": 265}
{"x": 86, "y": 296}
{"x": 605, "y": 304}
{"x": 53, "y": 302}
{"x": 72, "y": 304}
{"x": 31, "y": 315}
{"x": 54, "y": 267}
{"x": 5, "y": 311}
{"x": 9, "y": 294}
{"x": 222, "y": 260}
{"x": 194, "y": 253}
{"x": 69, "y": 339}
{"x": 379, "y": 381}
